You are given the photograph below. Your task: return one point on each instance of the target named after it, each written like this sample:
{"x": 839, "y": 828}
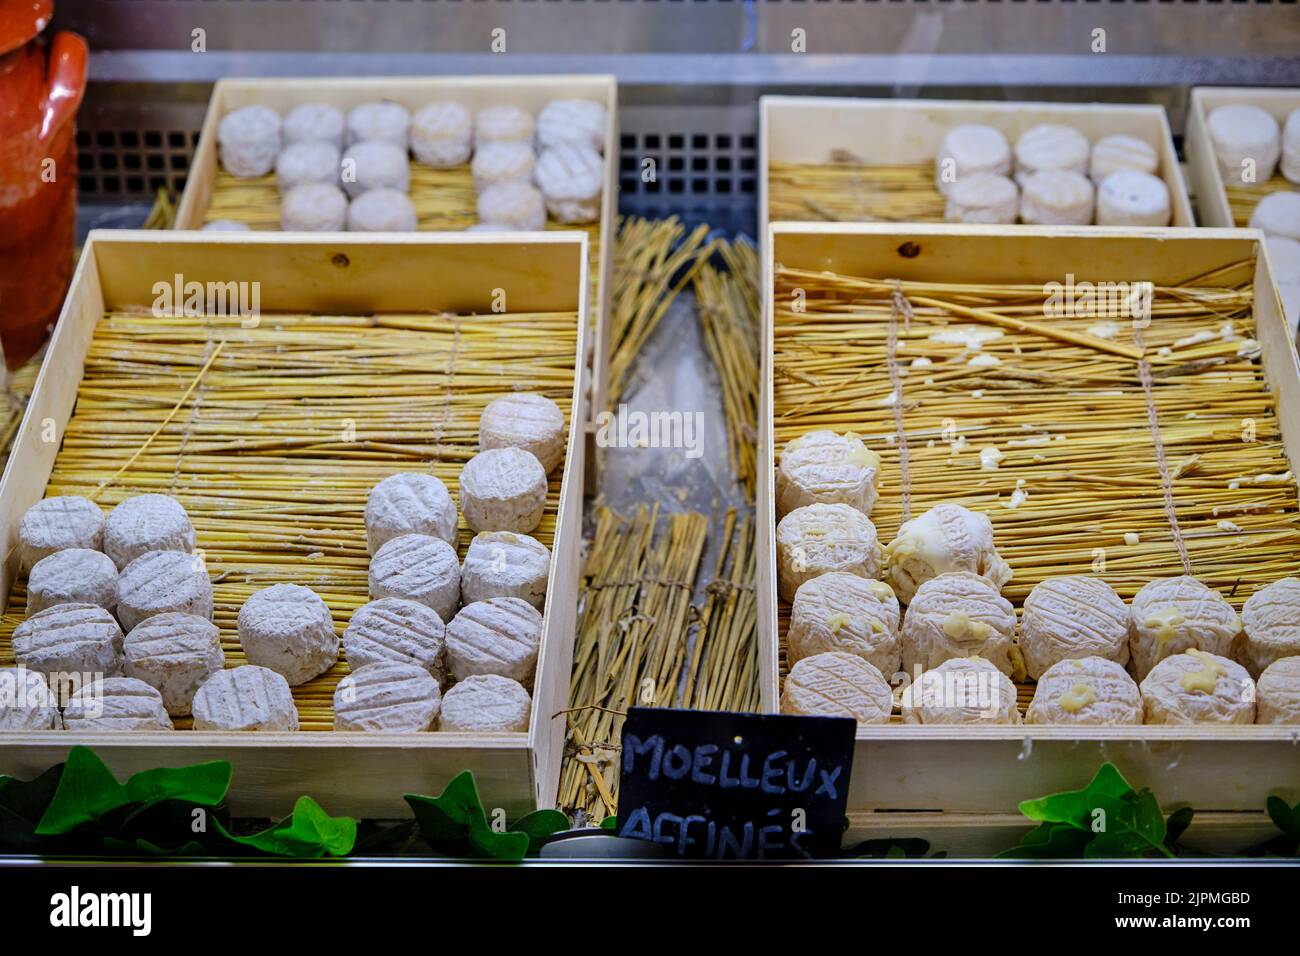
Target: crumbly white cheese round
{"x": 1132, "y": 198}
{"x": 382, "y": 120}
{"x": 288, "y": 629}
{"x": 503, "y": 489}
{"x": 417, "y": 567}
{"x": 1270, "y": 619}
{"x": 161, "y": 582}
{"x": 835, "y": 684}
{"x": 502, "y": 162}
{"x": 505, "y": 564}
{"x": 248, "y": 698}
{"x": 1085, "y": 690}
{"x": 382, "y": 210}
{"x": 146, "y": 523}
{"x": 524, "y": 420}
{"x": 314, "y": 207}
{"x": 1278, "y": 214}
{"x": 515, "y": 204}
{"x": 174, "y": 653}
{"x": 442, "y": 134}
{"x": 1056, "y": 197}
{"x": 819, "y": 538}
{"x": 226, "y": 225}
{"x": 959, "y": 614}
{"x": 70, "y": 639}
{"x": 983, "y": 198}
{"x": 845, "y": 613}
{"x": 307, "y": 162}
{"x": 968, "y": 151}
{"x": 502, "y": 123}
{"x": 73, "y": 576}
{"x": 1110, "y": 154}
{"x": 1291, "y": 146}
{"x": 825, "y": 467}
{"x": 314, "y": 122}
{"x": 248, "y": 140}
{"x": 26, "y": 701}
{"x": 375, "y": 164}
{"x": 1051, "y": 146}
{"x": 1247, "y": 143}
{"x": 115, "y": 704}
{"x": 409, "y": 503}
{"x": 486, "y": 703}
{"x": 1171, "y": 615}
{"x": 1277, "y": 695}
{"x": 390, "y": 697}
{"x": 498, "y": 636}
{"x": 946, "y": 538}
{"x": 1198, "y": 688}
{"x": 1073, "y": 616}
{"x": 962, "y": 690}
{"x": 395, "y": 629}
{"x": 571, "y": 179}
{"x": 64, "y": 521}
{"x": 573, "y": 123}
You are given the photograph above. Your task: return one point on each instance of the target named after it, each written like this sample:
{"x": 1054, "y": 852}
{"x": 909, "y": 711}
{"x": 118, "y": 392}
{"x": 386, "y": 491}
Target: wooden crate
{"x": 340, "y": 274}
{"x": 475, "y": 92}
{"x": 983, "y": 771}
{"x": 1203, "y": 169}
{"x": 806, "y": 129}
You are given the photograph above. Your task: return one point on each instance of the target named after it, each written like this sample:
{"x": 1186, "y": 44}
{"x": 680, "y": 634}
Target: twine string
{"x": 1162, "y": 462}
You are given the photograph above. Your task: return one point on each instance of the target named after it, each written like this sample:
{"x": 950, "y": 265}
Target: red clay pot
{"x": 40, "y": 89}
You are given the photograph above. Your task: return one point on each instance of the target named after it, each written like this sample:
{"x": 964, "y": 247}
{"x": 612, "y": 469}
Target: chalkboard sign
{"x": 711, "y": 785}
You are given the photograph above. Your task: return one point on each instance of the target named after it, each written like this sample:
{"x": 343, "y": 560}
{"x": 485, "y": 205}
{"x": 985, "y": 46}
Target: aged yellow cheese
{"x": 837, "y": 621}
{"x": 1164, "y": 620}
{"x": 958, "y": 625}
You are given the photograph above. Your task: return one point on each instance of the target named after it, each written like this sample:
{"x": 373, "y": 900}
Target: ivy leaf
{"x": 539, "y": 825}
{"x": 88, "y": 791}
{"x": 1285, "y": 818}
{"x": 143, "y": 847}
{"x": 1050, "y": 841}
{"x": 22, "y": 804}
{"x": 610, "y": 822}
{"x": 913, "y": 848}
{"x": 1134, "y": 827}
{"x": 204, "y": 784}
{"x": 373, "y": 837}
{"x": 454, "y": 823}
{"x": 1075, "y": 807}
{"x": 1177, "y": 824}
{"x": 308, "y": 833}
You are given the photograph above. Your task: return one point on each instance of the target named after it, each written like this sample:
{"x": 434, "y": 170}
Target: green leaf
{"x": 1285, "y": 818}
{"x": 906, "y": 847}
{"x": 454, "y": 823}
{"x": 204, "y": 784}
{"x": 1134, "y": 827}
{"x": 610, "y": 822}
{"x": 308, "y": 833}
{"x": 143, "y": 847}
{"x": 1177, "y": 824}
{"x": 1050, "y": 841}
{"x": 539, "y": 825}
{"x": 1075, "y": 806}
{"x": 22, "y": 804}
{"x": 87, "y": 790}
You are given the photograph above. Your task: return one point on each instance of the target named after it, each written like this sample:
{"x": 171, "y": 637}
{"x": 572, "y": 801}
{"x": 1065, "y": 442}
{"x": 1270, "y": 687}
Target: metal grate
{"x": 124, "y": 164}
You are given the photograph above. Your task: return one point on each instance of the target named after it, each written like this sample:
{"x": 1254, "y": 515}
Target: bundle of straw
{"x": 1047, "y": 433}
{"x": 271, "y": 437}
{"x": 654, "y": 260}
{"x": 18, "y": 389}
{"x": 727, "y": 303}
{"x": 643, "y": 642}
{"x": 848, "y": 190}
